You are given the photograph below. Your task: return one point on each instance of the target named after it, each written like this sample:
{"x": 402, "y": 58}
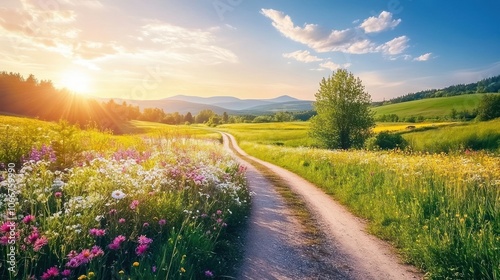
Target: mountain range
{"x": 221, "y": 104}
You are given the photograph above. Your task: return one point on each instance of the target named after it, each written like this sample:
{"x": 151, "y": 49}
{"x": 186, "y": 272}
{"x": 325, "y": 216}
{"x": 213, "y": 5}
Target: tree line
{"x": 40, "y": 99}
{"x": 484, "y": 86}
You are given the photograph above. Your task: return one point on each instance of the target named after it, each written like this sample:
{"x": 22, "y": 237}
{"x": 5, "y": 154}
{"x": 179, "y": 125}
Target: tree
{"x": 189, "y": 118}
{"x": 489, "y": 107}
{"x": 344, "y": 118}
{"x": 204, "y": 115}
{"x": 225, "y": 117}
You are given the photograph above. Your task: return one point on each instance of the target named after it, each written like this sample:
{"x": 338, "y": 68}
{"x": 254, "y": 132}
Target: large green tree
{"x": 344, "y": 118}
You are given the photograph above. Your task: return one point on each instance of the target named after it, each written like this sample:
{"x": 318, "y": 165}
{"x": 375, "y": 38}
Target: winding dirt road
{"x": 274, "y": 240}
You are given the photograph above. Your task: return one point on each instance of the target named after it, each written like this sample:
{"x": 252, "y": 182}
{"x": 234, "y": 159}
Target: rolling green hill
{"x": 432, "y": 107}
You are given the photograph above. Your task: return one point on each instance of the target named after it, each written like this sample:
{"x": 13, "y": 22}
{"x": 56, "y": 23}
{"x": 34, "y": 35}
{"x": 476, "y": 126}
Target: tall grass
{"x": 459, "y": 137}
{"x": 441, "y": 211}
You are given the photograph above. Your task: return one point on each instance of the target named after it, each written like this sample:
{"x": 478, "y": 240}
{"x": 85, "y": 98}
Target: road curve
{"x": 356, "y": 254}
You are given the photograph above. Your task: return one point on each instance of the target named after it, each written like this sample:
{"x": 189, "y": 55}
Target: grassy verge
{"x": 442, "y": 212}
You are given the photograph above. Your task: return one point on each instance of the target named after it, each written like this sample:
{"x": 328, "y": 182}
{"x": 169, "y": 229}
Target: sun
{"x": 76, "y": 81}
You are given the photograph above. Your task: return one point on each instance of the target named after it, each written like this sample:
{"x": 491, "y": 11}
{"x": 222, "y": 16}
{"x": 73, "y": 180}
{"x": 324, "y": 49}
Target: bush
{"x": 386, "y": 141}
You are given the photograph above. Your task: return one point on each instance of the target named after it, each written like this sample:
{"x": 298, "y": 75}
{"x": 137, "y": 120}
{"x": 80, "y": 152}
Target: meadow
{"x": 431, "y": 108}
{"x": 440, "y": 210}
{"x": 85, "y": 204}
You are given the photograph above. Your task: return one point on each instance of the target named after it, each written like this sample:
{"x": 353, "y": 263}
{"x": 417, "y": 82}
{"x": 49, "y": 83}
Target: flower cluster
{"x": 122, "y": 208}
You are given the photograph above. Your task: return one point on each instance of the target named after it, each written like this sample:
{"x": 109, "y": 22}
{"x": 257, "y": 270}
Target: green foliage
{"x": 204, "y": 115}
{"x": 489, "y": 108}
{"x": 386, "y": 140}
{"x": 343, "y": 117}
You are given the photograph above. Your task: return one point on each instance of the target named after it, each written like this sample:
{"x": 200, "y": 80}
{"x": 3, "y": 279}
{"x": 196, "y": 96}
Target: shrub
{"x": 386, "y": 141}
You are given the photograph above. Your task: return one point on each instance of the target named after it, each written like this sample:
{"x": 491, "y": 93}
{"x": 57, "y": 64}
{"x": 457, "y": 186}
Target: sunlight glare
{"x": 77, "y": 82}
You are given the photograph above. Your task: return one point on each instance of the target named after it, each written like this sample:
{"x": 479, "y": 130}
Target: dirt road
{"x": 274, "y": 249}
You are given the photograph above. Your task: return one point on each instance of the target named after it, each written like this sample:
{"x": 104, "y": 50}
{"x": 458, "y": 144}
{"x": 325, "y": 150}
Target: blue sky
{"x": 248, "y": 49}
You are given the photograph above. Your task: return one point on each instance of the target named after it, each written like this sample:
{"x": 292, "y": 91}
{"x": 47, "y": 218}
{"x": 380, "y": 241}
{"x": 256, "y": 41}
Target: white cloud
{"x": 350, "y": 40}
{"x": 95, "y": 4}
{"x": 377, "y": 24}
{"x": 394, "y": 46}
{"x": 189, "y": 45}
{"x": 333, "y": 66}
{"x": 423, "y": 57}
{"x": 311, "y": 34}
{"x": 302, "y": 56}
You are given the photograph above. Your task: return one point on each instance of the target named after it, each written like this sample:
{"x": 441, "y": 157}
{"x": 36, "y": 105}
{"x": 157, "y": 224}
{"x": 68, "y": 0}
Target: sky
{"x": 135, "y": 49}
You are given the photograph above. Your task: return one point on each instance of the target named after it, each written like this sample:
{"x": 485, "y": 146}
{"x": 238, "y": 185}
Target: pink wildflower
{"x": 39, "y": 243}
{"x": 72, "y": 254}
{"x": 162, "y": 222}
{"x": 115, "y": 245}
{"x": 74, "y": 262}
{"x": 33, "y": 237}
{"x": 134, "y": 204}
{"x": 145, "y": 225}
{"x": 6, "y": 226}
{"x": 4, "y": 240}
{"x": 141, "y": 249}
{"x": 28, "y": 219}
{"x": 51, "y": 272}
{"x": 97, "y": 232}
{"x": 66, "y": 272}
{"x": 97, "y": 251}
{"x": 85, "y": 256}
{"x": 121, "y": 220}
{"x": 209, "y": 273}
{"x": 58, "y": 194}
{"x": 144, "y": 240}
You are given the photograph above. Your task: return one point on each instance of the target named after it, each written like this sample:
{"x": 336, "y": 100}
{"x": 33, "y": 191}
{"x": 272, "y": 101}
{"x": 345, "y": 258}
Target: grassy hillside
{"x": 457, "y": 137}
{"x": 432, "y": 107}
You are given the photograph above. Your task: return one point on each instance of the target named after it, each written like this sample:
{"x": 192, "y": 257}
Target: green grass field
{"x": 440, "y": 210}
{"x": 457, "y": 137}
{"x": 431, "y": 108}
{"x": 296, "y": 134}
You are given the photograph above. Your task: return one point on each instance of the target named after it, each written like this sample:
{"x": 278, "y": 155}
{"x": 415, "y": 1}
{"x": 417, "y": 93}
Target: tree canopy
{"x": 344, "y": 118}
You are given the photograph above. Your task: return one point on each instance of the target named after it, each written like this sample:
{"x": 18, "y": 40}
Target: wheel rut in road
{"x": 276, "y": 244}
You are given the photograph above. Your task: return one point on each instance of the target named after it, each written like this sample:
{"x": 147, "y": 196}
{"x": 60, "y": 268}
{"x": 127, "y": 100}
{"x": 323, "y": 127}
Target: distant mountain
{"x": 221, "y": 104}
{"x": 290, "y": 106}
{"x": 232, "y": 103}
{"x": 204, "y": 100}
{"x": 182, "y": 107}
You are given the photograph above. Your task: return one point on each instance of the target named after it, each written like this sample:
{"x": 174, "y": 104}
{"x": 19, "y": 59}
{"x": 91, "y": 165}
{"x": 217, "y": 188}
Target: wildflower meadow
{"x": 83, "y": 204}
{"x": 440, "y": 210}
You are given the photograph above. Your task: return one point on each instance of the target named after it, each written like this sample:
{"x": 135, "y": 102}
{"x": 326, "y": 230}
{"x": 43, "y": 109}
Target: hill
{"x": 232, "y": 103}
{"x": 430, "y": 108}
{"x": 484, "y": 86}
{"x": 220, "y": 104}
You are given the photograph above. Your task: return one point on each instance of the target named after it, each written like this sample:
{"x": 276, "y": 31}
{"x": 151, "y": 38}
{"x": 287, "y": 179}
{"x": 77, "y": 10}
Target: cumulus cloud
{"x": 351, "y": 40}
{"x": 302, "y": 56}
{"x": 378, "y": 24}
{"x": 423, "y": 57}
{"x": 333, "y": 66}
{"x": 394, "y": 46}
{"x": 311, "y": 34}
